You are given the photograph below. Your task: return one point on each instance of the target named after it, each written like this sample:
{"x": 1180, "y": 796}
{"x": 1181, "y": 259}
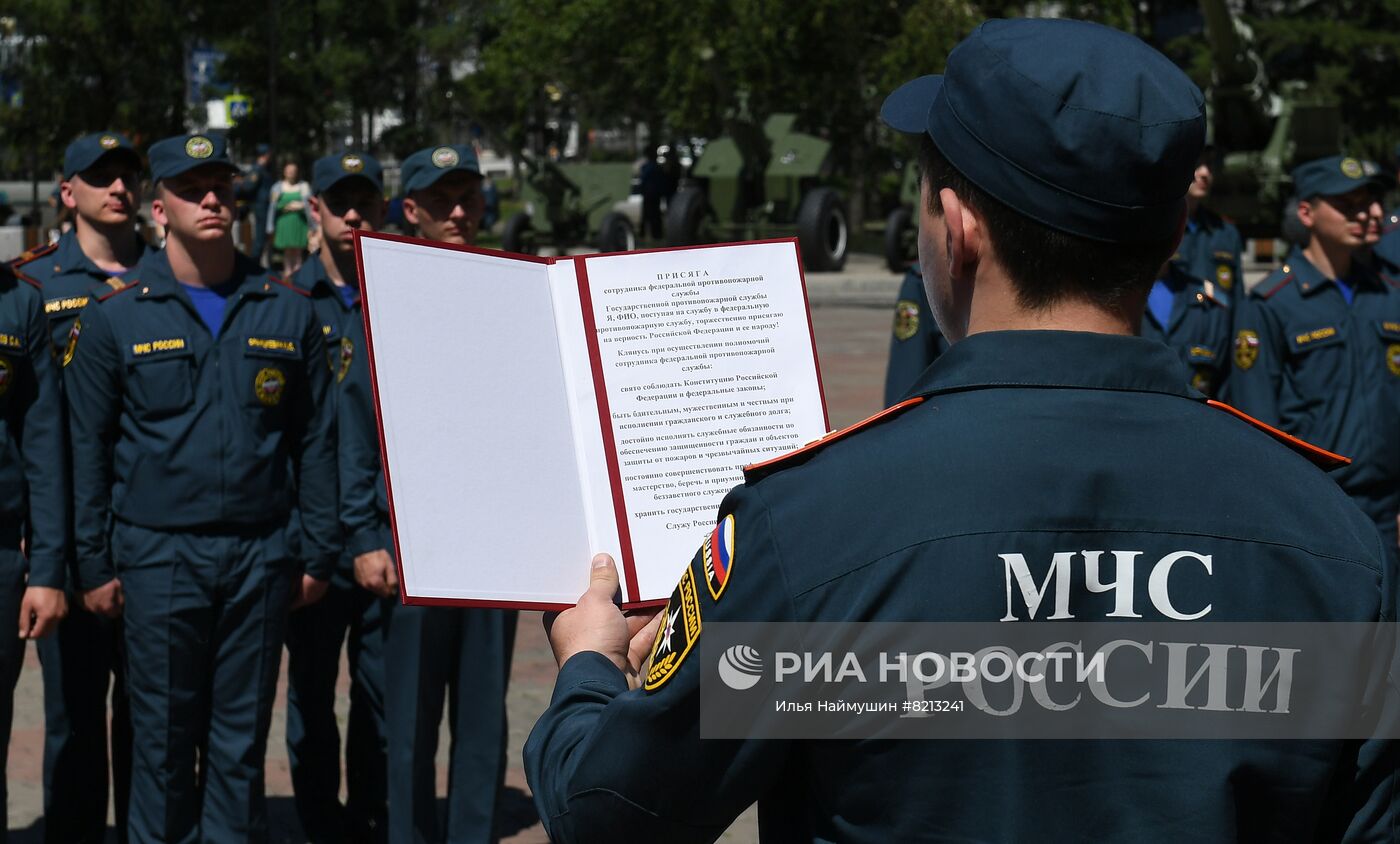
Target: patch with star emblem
{"x": 1246, "y": 348}
{"x": 678, "y": 633}
{"x": 199, "y": 147}
{"x": 7, "y": 374}
{"x": 72, "y": 341}
{"x": 717, "y": 555}
{"x": 1224, "y": 276}
{"x": 347, "y": 352}
{"x": 444, "y": 157}
{"x": 906, "y": 319}
{"x": 268, "y": 385}
{"x": 1392, "y": 358}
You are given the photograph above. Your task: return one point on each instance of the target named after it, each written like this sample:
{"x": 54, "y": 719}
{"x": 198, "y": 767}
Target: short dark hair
{"x": 1046, "y": 265}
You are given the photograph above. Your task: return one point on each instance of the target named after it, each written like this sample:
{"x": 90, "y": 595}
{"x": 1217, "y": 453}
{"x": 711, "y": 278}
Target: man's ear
{"x": 965, "y": 242}
{"x": 158, "y": 210}
{"x": 410, "y": 210}
{"x": 316, "y": 202}
{"x": 65, "y": 194}
{"x": 1305, "y": 213}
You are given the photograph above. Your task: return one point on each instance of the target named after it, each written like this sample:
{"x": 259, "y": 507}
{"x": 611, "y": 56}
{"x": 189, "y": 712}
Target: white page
{"x": 478, "y": 433}
{"x": 728, "y": 327}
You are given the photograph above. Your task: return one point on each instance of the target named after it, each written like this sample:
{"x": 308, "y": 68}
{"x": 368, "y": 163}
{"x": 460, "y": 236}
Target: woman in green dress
{"x": 289, "y": 220}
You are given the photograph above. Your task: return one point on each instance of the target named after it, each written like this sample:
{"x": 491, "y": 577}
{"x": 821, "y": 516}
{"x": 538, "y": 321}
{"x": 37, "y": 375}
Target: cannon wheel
{"x": 616, "y": 234}
{"x": 685, "y": 217}
{"x": 822, "y": 230}
{"x": 519, "y": 235}
{"x": 897, "y": 237}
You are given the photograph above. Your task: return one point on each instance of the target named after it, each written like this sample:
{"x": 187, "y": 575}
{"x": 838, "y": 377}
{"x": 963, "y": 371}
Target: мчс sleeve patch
{"x": 678, "y": 633}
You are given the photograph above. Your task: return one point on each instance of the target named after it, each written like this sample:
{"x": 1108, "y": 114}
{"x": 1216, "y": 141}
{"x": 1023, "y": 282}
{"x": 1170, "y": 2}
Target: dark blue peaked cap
{"x": 1078, "y": 126}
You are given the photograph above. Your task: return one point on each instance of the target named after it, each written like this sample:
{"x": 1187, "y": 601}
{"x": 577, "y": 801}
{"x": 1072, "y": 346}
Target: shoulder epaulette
{"x": 1214, "y": 293}
{"x": 36, "y": 252}
{"x": 1282, "y": 283}
{"x": 277, "y": 279}
{"x": 757, "y": 471}
{"x": 1320, "y": 457}
{"x": 121, "y": 285}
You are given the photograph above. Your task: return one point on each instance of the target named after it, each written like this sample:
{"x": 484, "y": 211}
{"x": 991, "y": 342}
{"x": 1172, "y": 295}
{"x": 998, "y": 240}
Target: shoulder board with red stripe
{"x": 1283, "y": 282}
{"x": 124, "y": 286}
{"x": 1320, "y": 457}
{"x": 20, "y": 276}
{"x": 36, "y": 252}
{"x": 276, "y": 279}
{"x": 757, "y": 471}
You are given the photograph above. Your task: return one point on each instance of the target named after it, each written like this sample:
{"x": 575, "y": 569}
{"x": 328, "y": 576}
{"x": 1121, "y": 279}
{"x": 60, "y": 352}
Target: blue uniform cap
{"x": 426, "y": 166}
{"x": 1334, "y": 176}
{"x": 89, "y": 149}
{"x": 346, "y": 165}
{"x": 1080, "y": 127}
{"x": 172, "y": 156}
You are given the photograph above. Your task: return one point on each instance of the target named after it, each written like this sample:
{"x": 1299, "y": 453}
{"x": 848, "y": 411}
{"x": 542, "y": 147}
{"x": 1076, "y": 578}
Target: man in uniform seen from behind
{"x": 199, "y": 408}
{"x": 432, "y": 654}
{"x": 1046, "y": 427}
{"x": 1211, "y": 246}
{"x": 1317, "y": 342}
{"x": 102, "y": 186}
{"x": 349, "y": 197}
{"x": 33, "y": 488}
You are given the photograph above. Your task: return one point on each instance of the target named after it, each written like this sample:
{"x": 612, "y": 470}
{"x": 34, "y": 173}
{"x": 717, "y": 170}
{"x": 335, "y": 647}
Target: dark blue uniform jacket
{"x": 68, "y": 278}
{"x": 1027, "y": 442}
{"x": 176, "y": 429}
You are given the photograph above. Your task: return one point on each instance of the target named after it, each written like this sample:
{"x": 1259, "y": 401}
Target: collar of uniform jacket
{"x": 1059, "y": 359}
{"x": 69, "y": 257}
{"x": 313, "y": 275}
{"x": 157, "y": 281}
{"x": 1310, "y": 279}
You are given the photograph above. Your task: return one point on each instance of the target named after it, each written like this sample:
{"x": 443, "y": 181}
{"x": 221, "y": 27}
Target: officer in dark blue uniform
{"x": 33, "y": 487}
{"x": 916, "y": 341}
{"x": 102, "y": 186}
{"x": 1317, "y": 342}
{"x": 199, "y": 408}
{"x": 349, "y": 197}
{"x": 1048, "y": 430}
{"x": 1211, "y": 246}
{"x": 432, "y": 653}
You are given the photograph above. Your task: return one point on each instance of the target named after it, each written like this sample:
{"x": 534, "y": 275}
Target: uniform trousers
{"x": 205, "y": 620}
{"x": 82, "y": 661}
{"x": 12, "y": 569}
{"x": 314, "y": 638}
{"x": 462, "y": 656}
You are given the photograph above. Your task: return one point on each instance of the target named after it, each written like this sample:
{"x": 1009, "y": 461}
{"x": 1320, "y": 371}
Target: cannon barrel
{"x": 1242, "y": 107}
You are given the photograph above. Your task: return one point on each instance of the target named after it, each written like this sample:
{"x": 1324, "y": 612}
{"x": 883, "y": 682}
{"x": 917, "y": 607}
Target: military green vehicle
{"x": 754, "y": 183}
{"x": 573, "y": 204}
{"x": 901, "y": 226}
{"x": 1263, "y": 134}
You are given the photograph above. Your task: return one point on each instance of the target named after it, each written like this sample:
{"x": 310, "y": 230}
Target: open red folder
{"x": 534, "y": 411}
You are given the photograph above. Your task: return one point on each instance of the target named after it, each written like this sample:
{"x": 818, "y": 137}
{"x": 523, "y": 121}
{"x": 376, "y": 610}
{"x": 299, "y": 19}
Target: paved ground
{"x": 851, "y": 312}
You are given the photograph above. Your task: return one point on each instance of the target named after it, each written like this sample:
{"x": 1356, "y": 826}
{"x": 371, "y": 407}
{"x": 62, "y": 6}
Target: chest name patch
{"x": 173, "y": 344}
{"x": 1313, "y": 336}
{"x": 269, "y": 344}
{"x": 58, "y": 306}
{"x": 10, "y": 341}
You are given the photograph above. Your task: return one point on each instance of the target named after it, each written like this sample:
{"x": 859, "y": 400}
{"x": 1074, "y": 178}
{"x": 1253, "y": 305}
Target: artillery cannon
{"x": 754, "y": 183}
{"x": 569, "y": 205}
{"x": 1264, "y": 133}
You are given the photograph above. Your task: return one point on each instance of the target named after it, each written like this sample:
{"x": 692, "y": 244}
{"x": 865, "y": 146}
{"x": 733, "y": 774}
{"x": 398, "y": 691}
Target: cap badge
{"x": 444, "y": 157}
{"x": 199, "y": 147}
{"x": 108, "y": 142}
{"x": 1351, "y": 168}
{"x": 352, "y": 164}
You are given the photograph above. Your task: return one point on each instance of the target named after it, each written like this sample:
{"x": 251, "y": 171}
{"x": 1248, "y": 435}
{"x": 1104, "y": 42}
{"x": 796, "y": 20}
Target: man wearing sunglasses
{"x": 1317, "y": 343}
{"x": 349, "y": 197}
{"x": 102, "y": 185}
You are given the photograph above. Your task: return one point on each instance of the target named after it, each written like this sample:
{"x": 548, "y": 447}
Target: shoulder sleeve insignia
{"x": 758, "y": 471}
{"x": 906, "y": 319}
{"x": 677, "y": 635}
{"x": 1246, "y": 348}
{"x": 718, "y": 556}
{"x": 1320, "y": 457}
{"x": 72, "y": 341}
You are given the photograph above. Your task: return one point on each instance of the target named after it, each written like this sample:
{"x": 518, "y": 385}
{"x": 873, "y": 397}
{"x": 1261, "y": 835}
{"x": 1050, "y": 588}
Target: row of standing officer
{"x": 216, "y": 514}
{"x": 1313, "y": 349}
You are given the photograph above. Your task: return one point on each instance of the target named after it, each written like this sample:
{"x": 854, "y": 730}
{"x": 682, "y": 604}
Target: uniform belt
{"x": 254, "y": 529}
